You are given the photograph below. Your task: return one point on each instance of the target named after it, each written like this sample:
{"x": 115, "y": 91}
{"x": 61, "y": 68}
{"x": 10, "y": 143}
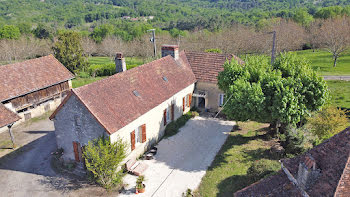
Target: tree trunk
{"x": 335, "y": 61}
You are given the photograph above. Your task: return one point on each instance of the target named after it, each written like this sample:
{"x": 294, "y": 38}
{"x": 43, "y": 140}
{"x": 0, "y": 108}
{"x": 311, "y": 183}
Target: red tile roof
{"x": 331, "y": 157}
{"x": 343, "y": 189}
{"x": 6, "y": 116}
{"x": 206, "y": 66}
{"x": 24, "y": 77}
{"x": 113, "y": 102}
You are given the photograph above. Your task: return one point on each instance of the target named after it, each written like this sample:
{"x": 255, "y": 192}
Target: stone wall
{"x": 75, "y": 123}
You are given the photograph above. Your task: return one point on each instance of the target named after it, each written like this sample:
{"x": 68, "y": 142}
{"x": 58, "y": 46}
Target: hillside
{"x": 182, "y": 14}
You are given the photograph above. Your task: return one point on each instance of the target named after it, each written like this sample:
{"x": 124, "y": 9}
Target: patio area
{"x": 182, "y": 160}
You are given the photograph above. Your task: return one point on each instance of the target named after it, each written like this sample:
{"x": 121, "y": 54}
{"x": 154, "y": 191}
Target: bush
{"x": 84, "y": 75}
{"x": 102, "y": 159}
{"x": 262, "y": 168}
{"x": 296, "y": 140}
{"x": 328, "y": 122}
{"x": 100, "y": 70}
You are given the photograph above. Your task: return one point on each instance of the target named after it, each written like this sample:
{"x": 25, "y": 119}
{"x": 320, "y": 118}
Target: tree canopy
{"x": 284, "y": 92}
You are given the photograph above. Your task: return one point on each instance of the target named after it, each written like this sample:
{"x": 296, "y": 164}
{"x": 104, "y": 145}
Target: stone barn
{"x": 31, "y": 88}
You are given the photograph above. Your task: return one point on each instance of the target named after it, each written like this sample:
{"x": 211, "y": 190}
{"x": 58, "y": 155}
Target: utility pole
{"x": 273, "y": 47}
{"x": 153, "y": 40}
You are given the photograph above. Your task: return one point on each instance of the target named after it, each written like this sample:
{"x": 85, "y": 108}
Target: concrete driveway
{"x": 27, "y": 170}
{"x": 183, "y": 159}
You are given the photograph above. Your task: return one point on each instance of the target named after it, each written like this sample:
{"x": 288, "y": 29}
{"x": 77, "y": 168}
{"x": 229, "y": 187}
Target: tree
{"x": 335, "y": 37}
{"x": 303, "y": 17}
{"x": 282, "y": 93}
{"x": 69, "y": 52}
{"x": 102, "y": 159}
{"x": 9, "y": 32}
{"x": 42, "y": 32}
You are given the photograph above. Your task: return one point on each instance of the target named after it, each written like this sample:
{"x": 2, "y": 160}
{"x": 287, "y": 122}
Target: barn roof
{"x": 25, "y": 77}
{"x": 206, "y": 66}
{"x": 7, "y": 117}
{"x": 332, "y": 158}
{"x": 118, "y": 100}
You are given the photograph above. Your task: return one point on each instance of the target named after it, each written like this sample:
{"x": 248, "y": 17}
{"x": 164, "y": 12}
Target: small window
{"x": 136, "y": 93}
{"x": 168, "y": 114}
{"x": 165, "y": 79}
{"x": 221, "y": 99}
{"x": 138, "y": 135}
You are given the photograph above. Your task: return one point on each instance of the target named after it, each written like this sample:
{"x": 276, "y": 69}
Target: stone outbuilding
{"x": 322, "y": 171}
{"x": 29, "y": 89}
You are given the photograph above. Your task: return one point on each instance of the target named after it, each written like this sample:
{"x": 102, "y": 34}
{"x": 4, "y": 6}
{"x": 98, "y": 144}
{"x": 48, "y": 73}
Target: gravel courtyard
{"x": 183, "y": 159}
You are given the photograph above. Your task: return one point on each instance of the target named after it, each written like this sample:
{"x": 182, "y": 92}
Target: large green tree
{"x": 9, "y": 32}
{"x": 69, "y": 52}
{"x": 284, "y": 92}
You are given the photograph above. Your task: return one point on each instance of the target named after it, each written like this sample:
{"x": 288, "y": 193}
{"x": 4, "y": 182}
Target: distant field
{"x": 322, "y": 61}
{"x": 131, "y": 62}
{"x": 340, "y": 93}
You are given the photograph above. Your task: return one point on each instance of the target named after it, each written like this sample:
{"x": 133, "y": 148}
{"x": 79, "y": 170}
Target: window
{"x": 138, "y": 135}
{"x": 221, "y": 99}
{"x": 168, "y": 114}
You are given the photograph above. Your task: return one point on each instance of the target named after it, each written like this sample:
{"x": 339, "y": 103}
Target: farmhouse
{"x": 322, "y": 171}
{"x": 136, "y": 105}
{"x": 30, "y": 88}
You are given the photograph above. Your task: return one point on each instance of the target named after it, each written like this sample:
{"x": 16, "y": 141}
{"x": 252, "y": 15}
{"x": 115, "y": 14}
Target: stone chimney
{"x": 307, "y": 173}
{"x": 120, "y": 65}
{"x": 172, "y": 50}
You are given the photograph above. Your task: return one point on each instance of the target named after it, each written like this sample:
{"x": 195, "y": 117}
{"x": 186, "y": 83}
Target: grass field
{"x": 77, "y": 82}
{"x": 131, "y": 62}
{"x": 340, "y": 93}
{"x": 322, "y": 62}
{"x": 228, "y": 172}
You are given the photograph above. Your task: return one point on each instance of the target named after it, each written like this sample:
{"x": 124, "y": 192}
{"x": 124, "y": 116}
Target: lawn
{"x": 77, "y": 82}
{"x": 340, "y": 93}
{"x": 322, "y": 61}
{"x": 228, "y": 172}
{"x": 131, "y": 62}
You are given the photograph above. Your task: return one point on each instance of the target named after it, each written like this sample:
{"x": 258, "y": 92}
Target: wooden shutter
{"x": 172, "y": 112}
{"x": 183, "y": 104}
{"x": 164, "y": 116}
{"x": 76, "y": 151}
{"x": 189, "y": 100}
{"x": 132, "y": 136}
{"x": 143, "y": 127}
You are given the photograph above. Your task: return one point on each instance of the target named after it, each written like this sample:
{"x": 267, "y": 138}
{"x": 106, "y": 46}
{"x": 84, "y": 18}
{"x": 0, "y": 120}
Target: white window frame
{"x": 221, "y": 99}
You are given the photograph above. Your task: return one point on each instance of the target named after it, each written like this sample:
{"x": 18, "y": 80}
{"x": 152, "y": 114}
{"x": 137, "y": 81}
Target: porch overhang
{"x": 200, "y": 94}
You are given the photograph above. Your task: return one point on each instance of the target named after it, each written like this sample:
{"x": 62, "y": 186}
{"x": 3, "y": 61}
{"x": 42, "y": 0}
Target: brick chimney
{"x": 307, "y": 173}
{"x": 172, "y": 50}
{"x": 120, "y": 65}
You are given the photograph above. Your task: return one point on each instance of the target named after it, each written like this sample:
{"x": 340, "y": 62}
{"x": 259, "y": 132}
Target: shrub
{"x": 100, "y": 70}
{"x": 84, "y": 75}
{"x": 262, "y": 168}
{"x": 328, "y": 122}
{"x": 296, "y": 140}
{"x": 102, "y": 159}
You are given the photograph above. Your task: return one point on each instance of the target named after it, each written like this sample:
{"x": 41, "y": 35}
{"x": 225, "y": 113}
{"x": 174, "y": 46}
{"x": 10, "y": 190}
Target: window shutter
{"x": 190, "y": 100}
{"x": 132, "y": 140}
{"x": 143, "y": 127}
{"x": 172, "y": 112}
{"x": 76, "y": 151}
{"x": 164, "y": 117}
{"x": 183, "y": 104}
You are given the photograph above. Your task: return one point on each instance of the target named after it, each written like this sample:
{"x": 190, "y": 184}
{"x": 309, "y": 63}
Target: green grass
{"x": 131, "y": 62}
{"x": 77, "y": 82}
{"x": 228, "y": 172}
{"x": 322, "y": 62}
{"x": 340, "y": 93}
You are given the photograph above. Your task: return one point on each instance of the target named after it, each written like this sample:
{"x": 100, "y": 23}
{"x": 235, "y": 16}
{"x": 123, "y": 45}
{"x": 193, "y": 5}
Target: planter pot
{"x": 141, "y": 190}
